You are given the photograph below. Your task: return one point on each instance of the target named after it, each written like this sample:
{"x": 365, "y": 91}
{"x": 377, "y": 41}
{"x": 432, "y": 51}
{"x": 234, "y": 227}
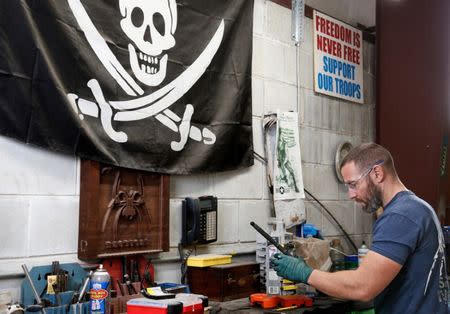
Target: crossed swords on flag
{"x": 143, "y": 106}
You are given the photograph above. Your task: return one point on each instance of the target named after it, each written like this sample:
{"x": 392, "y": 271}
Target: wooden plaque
{"x": 122, "y": 211}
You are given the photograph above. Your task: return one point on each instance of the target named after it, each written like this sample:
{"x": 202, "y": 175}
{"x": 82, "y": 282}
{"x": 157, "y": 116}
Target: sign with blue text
{"x": 338, "y": 59}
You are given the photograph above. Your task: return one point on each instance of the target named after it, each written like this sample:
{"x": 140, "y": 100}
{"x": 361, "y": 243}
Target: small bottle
{"x": 336, "y": 255}
{"x": 99, "y": 291}
{"x": 362, "y": 252}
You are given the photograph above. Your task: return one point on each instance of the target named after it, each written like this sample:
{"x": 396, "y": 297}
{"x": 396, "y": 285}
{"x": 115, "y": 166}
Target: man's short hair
{"x": 367, "y": 155}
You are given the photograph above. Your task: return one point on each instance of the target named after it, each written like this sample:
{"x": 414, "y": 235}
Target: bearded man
{"x": 405, "y": 270}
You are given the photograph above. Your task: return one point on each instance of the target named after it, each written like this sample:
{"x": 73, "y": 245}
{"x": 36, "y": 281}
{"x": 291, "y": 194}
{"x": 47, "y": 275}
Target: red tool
{"x": 264, "y": 300}
{"x": 270, "y": 301}
{"x": 295, "y": 299}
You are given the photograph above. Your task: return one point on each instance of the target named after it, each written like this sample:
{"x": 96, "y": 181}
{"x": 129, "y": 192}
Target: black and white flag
{"x": 159, "y": 85}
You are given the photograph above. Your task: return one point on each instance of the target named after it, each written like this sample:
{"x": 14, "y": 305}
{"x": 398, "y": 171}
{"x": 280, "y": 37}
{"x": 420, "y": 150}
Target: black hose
{"x": 183, "y": 257}
{"x": 337, "y": 223}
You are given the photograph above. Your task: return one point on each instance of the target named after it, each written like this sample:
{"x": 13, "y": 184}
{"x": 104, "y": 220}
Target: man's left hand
{"x": 292, "y": 268}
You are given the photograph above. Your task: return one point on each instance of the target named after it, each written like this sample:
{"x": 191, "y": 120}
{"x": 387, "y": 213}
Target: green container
{"x": 351, "y": 262}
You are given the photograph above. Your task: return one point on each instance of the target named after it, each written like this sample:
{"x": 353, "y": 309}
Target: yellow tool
{"x": 286, "y": 308}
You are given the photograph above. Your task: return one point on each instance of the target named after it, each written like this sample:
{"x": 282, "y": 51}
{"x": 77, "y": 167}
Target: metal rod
{"x": 269, "y": 238}
{"x": 33, "y": 288}
{"x": 85, "y": 284}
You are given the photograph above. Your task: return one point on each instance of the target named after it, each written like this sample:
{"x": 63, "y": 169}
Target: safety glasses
{"x": 353, "y": 185}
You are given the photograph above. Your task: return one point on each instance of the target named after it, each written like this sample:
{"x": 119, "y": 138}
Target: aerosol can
{"x": 99, "y": 291}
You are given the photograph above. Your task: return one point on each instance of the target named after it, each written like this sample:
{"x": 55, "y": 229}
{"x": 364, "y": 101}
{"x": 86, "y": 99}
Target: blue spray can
{"x": 99, "y": 291}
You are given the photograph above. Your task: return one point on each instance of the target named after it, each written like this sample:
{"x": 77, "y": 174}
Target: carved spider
{"x": 128, "y": 204}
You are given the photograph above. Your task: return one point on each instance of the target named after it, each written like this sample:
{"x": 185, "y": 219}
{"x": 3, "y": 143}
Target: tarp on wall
{"x": 158, "y": 85}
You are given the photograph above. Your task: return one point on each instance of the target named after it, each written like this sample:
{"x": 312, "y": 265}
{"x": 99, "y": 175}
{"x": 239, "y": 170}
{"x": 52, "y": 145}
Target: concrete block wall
{"x": 283, "y": 78}
{"x": 39, "y": 194}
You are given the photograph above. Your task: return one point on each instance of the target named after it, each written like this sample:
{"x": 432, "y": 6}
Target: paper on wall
{"x": 288, "y": 202}
{"x": 288, "y": 179}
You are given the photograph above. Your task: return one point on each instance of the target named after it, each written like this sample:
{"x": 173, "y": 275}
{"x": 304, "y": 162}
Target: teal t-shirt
{"x": 408, "y": 232}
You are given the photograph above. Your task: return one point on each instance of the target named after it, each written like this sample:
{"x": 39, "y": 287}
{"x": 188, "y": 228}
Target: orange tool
{"x": 264, "y": 300}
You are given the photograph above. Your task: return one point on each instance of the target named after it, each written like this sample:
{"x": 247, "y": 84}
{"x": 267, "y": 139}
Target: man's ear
{"x": 379, "y": 173}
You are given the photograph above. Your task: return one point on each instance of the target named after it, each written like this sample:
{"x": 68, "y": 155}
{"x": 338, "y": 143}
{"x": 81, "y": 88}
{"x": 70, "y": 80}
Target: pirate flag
{"x": 158, "y": 85}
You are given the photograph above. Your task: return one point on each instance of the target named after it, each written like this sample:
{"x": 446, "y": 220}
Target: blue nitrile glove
{"x": 292, "y": 268}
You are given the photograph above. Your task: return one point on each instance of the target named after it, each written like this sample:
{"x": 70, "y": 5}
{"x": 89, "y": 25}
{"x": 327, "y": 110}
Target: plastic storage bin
{"x": 206, "y": 260}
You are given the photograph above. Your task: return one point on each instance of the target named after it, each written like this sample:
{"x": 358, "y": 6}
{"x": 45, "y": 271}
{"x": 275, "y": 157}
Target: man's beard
{"x": 375, "y": 200}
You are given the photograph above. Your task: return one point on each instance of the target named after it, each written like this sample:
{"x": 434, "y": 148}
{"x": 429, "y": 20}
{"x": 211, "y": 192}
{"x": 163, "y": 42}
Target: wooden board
{"x": 122, "y": 211}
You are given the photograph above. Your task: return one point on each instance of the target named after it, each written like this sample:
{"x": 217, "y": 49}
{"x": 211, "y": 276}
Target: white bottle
{"x": 362, "y": 252}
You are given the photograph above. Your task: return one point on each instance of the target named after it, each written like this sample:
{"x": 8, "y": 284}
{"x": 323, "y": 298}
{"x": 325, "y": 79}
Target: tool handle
{"x": 120, "y": 286}
{"x": 85, "y": 284}
{"x": 269, "y": 238}
{"x": 30, "y": 281}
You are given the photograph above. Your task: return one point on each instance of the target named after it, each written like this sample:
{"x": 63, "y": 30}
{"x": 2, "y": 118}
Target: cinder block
{"x": 267, "y": 58}
{"x": 364, "y": 124}
{"x": 190, "y": 186}
{"x": 307, "y": 44}
{"x": 25, "y": 170}
{"x": 343, "y": 212}
{"x": 306, "y": 71}
{"x": 330, "y": 113}
{"x": 360, "y": 119}
{"x": 321, "y": 181}
{"x": 14, "y": 223}
{"x": 314, "y": 213}
{"x": 53, "y": 225}
{"x": 330, "y": 142}
{"x": 280, "y": 96}
{"x": 369, "y": 58}
{"x": 259, "y": 16}
{"x": 239, "y": 184}
{"x": 278, "y": 22}
{"x": 257, "y": 96}
{"x": 301, "y": 106}
{"x": 369, "y": 88}
{"x": 312, "y": 108}
{"x": 291, "y": 63}
{"x": 175, "y": 222}
{"x": 310, "y": 145}
{"x": 309, "y": 172}
{"x": 346, "y": 117}
{"x": 371, "y": 133}
{"x": 257, "y": 211}
{"x": 258, "y": 66}
{"x": 228, "y": 215}
{"x": 77, "y": 176}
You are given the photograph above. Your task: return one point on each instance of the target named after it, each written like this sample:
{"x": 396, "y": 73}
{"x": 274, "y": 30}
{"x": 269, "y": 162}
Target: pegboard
{"x": 76, "y": 275}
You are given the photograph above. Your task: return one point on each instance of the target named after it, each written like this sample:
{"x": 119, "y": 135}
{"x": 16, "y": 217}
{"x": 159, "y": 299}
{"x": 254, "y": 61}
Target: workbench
{"x": 322, "y": 305}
